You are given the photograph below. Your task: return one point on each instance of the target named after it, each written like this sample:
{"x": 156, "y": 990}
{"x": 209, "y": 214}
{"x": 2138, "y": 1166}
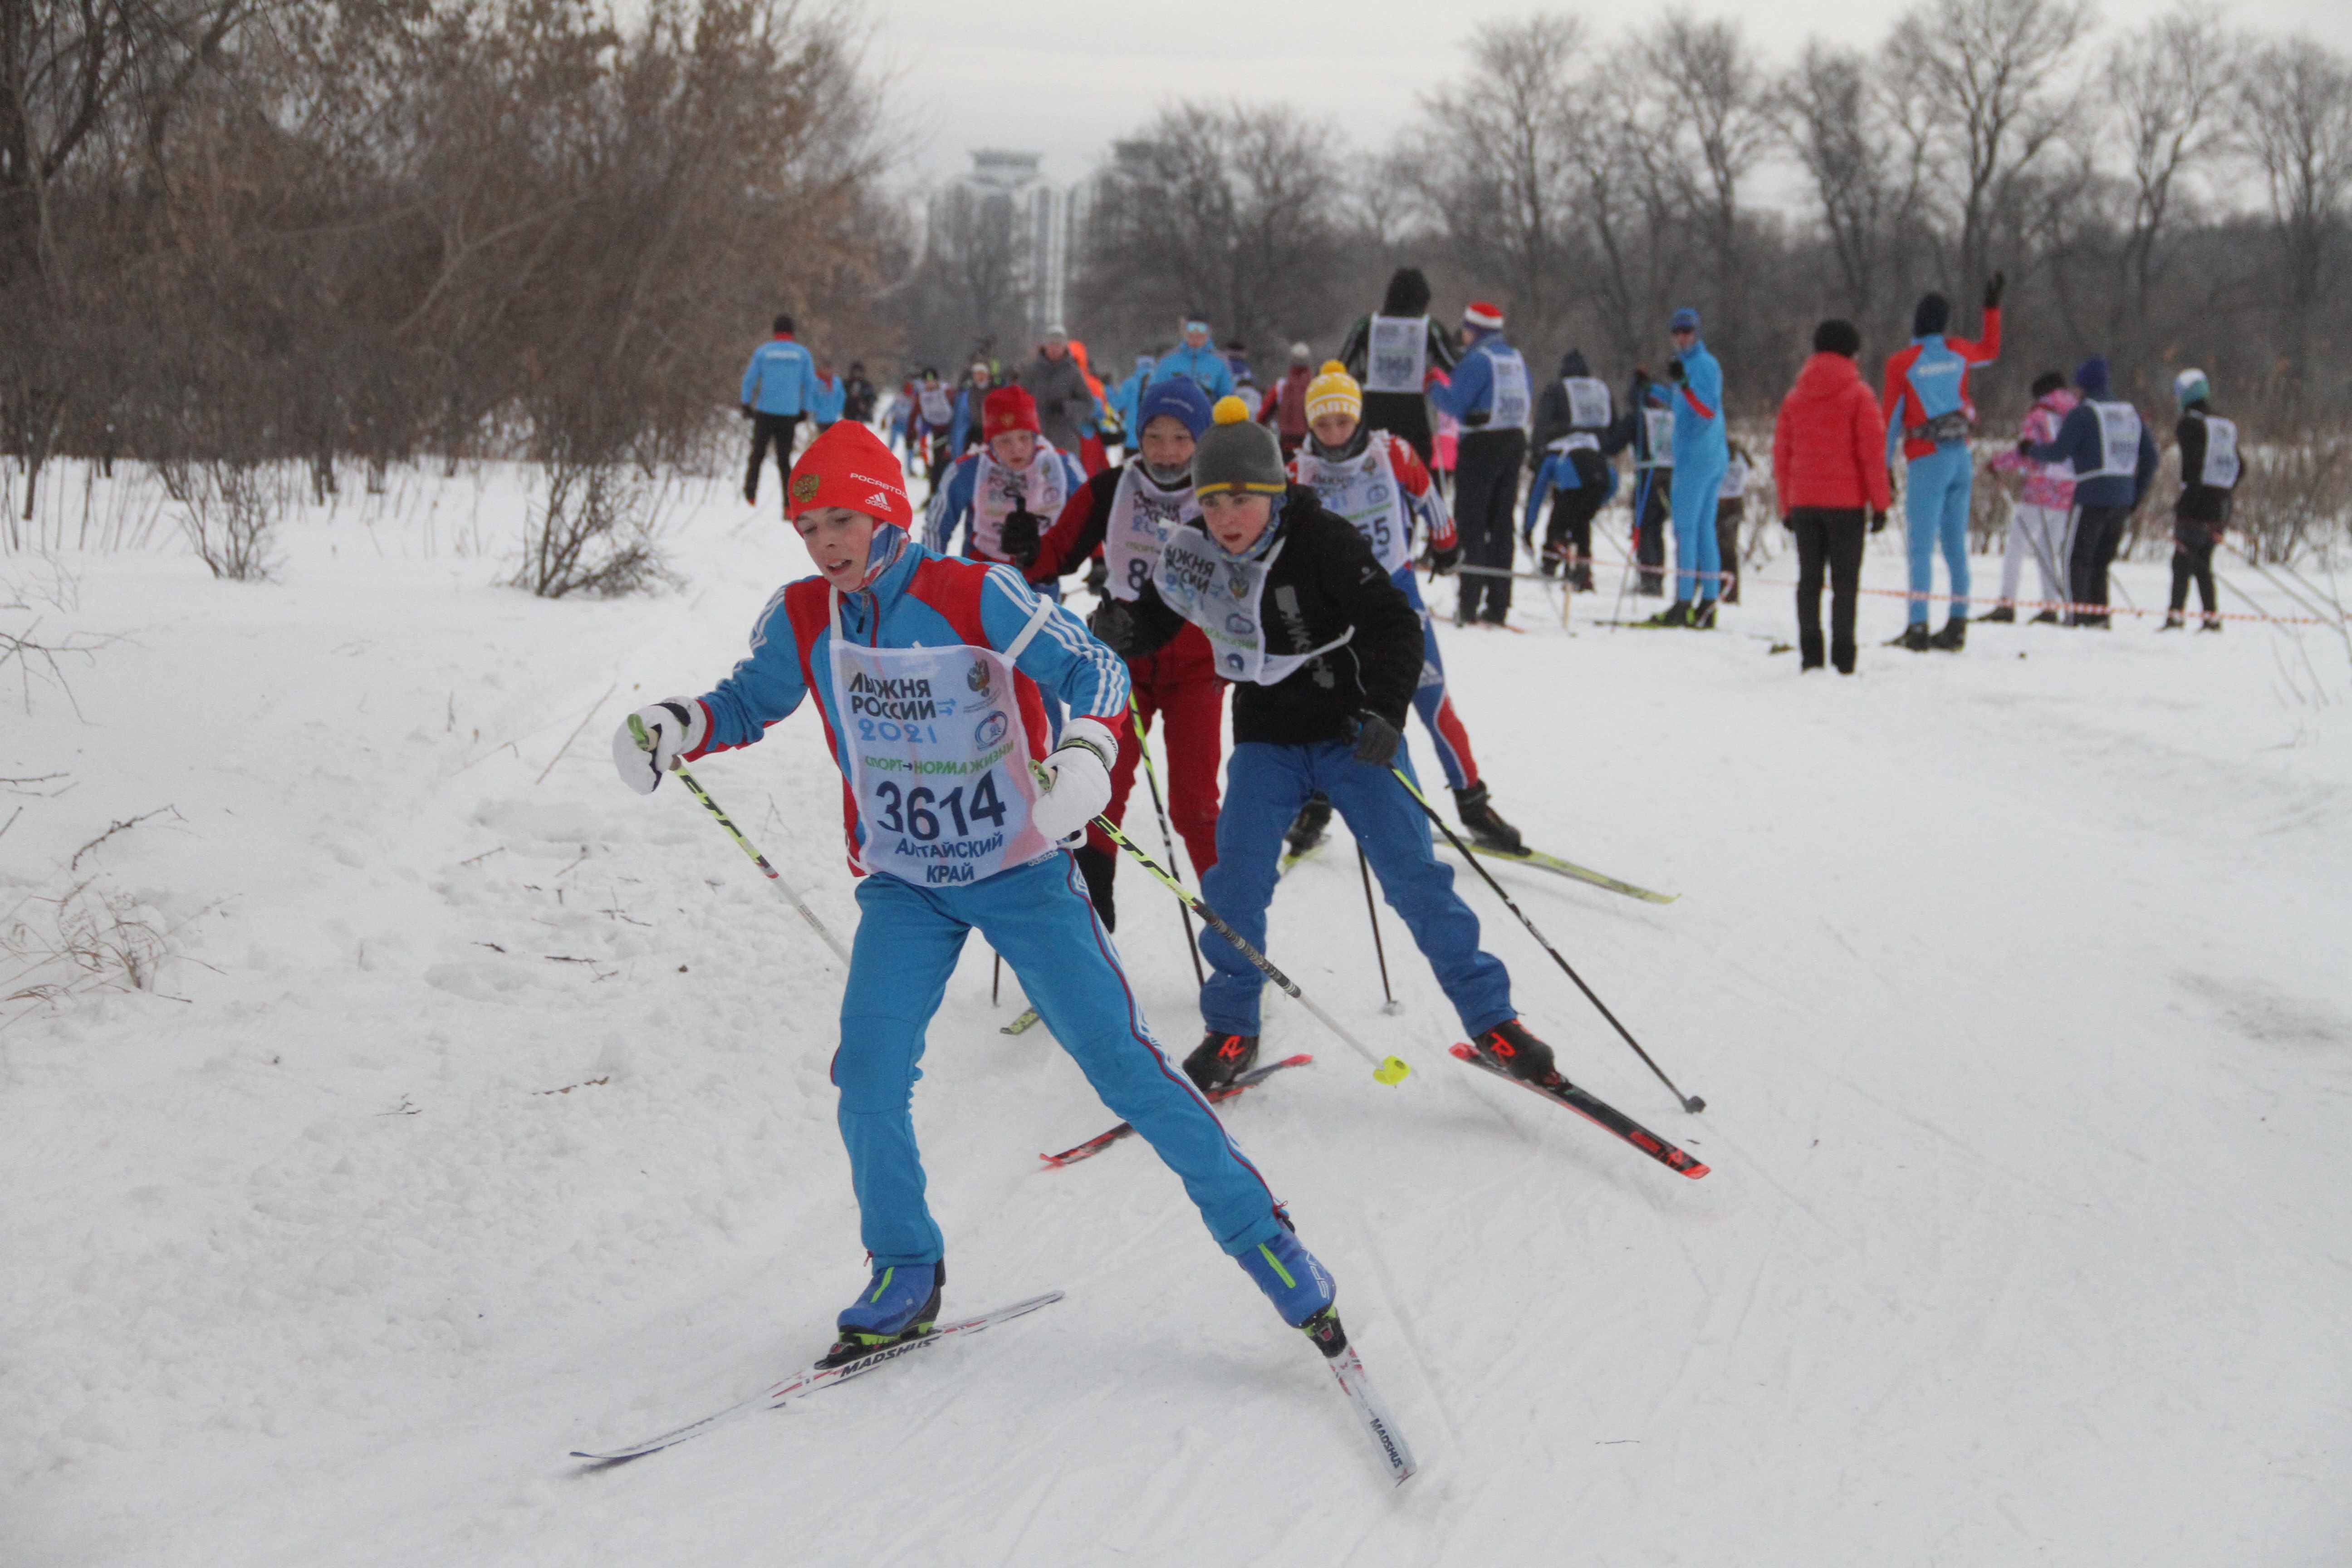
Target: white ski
{"x": 801, "y": 1384}
{"x": 1396, "y": 1454}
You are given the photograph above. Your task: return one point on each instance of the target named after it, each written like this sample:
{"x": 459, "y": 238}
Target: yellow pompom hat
{"x": 1236, "y": 452}
{"x": 1334, "y": 391}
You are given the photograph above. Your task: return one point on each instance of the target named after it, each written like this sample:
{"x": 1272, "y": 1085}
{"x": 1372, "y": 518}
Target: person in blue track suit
{"x": 931, "y": 676}
{"x": 1324, "y": 651}
{"x": 1701, "y": 452}
{"x": 780, "y": 387}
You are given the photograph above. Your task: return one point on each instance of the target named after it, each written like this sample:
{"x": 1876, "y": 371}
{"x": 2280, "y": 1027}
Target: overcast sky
{"x": 1064, "y": 78}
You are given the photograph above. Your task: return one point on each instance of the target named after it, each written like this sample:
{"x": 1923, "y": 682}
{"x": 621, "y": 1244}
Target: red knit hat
{"x": 1010, "y": 408}
{"x": 1478, "y": 313}
{"x": 849, "y": 465}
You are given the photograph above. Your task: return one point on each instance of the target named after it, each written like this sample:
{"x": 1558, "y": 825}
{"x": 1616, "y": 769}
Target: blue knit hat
{"x": 1179, "y": 397}
{"x": 2091, "y": 375}
{"x": 1684, "y": 319}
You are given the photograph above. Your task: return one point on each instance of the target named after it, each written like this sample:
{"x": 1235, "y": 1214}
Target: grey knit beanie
{"x": 1236, "y": 452}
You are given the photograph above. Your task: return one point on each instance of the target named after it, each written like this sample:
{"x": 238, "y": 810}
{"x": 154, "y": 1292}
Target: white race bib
{"x": 1364, "y": 490}
{"x": 1511, "y": 407}
{"x": 1589, "y": 408}
{"x": 1575, "y": 441}
{"x": 1396, "y": 353}
{"x": 1141, "y": 514}
{"x": 2118, "y": 441}
{"x": 1219, "y": 596}
{"x": 2221, "y": 467}
{"x": 1043, "y": 487}
{"x": 1660, "y": 423}
{"x": 938, "y": 408}
{"x": 939, "y": 759}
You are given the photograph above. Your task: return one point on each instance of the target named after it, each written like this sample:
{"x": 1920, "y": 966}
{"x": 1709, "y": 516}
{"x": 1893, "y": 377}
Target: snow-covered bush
{"x": 228, "y": 508}
{"x": 597, "y": 531}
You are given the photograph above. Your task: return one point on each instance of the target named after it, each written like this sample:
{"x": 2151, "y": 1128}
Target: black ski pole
{"x": 1691, "y": 1103}
{"x": 1388, "y": 1003}
{"x": 996, "y": 980}
{"x": 1167, "y": 834}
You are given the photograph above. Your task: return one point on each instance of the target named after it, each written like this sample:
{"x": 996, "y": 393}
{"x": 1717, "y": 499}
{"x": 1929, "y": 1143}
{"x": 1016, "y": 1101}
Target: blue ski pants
{"x": 1698, "y": 558}
{"x": 1038, "y": 917}
{"x": 1936, "y": 513}
{"x": 1264, "y": 786}
{"x": 1430, "y": 699}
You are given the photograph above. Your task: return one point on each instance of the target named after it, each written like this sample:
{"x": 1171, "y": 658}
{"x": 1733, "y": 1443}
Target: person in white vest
{"x": 931, "y": 423}
{"x": 1730, "y": 507}
{"x": 2106, "y": 442}
{"x": 1491, "y": 395}
{"x": 1570, "y": 453}
{"x": 2209, "y": 477}
{"x": 1005, "y": 493}
{"x": 1391, "y": 353}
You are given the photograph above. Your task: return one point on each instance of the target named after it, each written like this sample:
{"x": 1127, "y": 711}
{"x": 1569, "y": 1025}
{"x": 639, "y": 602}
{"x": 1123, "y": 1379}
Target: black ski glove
{"x": 1676, "y": 373}
{"x": 1114, "y": 626}
{"x": 1441, "y": 561}
{"x": 747, "y": 410}
{"x": 1376, "y": 739}
{"x": 2025, "y": 447}
{"x": 1019, "y": 538}
{"x": 1099, "y": 577}
{"x": 1992, "y": 290}
{"x": 1877, "y": 521}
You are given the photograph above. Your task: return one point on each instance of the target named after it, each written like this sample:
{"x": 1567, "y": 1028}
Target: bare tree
{"x": 1868, "y": 167}
{"x": 1995, "y": 76}
{"x": 1631, "y": 205}
{"x": 1716, "y": 101}
{"x": 2293, "y": 115}
{"x": 2169, "y": 85}
{"x": 1501, "y": 165}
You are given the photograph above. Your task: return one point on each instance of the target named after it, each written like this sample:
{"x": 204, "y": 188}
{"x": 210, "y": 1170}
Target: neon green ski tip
{"x": 1391, "y": 1070}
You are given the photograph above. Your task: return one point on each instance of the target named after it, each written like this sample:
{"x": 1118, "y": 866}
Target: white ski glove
{"x": 1075, "y": 784}
{"x": 677, "y": 726}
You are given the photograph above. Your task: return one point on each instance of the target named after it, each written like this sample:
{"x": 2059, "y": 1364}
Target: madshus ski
{"x": 1601, "y": 1114}
{"x": 1102, "y": 1141}
{"x": 1346, "y": 1365}
{"x": 1570, "y": 868}
{"x": 801, "y": 1384}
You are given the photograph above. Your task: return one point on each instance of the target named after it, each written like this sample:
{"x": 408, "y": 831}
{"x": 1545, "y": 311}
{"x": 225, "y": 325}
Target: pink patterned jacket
{"x": 2046, "y": 484}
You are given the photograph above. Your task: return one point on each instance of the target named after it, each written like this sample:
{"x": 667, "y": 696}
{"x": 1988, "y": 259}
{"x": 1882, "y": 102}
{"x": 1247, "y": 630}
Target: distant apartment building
{"x": 1007, "y": 233}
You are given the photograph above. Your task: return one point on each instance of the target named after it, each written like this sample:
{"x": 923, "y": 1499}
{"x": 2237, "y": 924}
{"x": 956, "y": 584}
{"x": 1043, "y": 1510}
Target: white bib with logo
{"x": 1660, "y": 424}
{"x": 938, "y": 408}
{"x": 1512, "y": 406}
{"x": 1141, "y": 514}
{"x": 2118, "y": 441}
{"x": 1589, "y": 408}
{"x": 939, "y": 758}
{"x": 1365, "y": 491}
{"x": 1043, "y": 487}
{"x": 1220, "y": 595}
{"x": 2221, "y": 466}
{"x": 1396, "y": 353}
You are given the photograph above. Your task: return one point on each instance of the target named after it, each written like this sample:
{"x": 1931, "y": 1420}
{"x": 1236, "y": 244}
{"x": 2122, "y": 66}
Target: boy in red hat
{"x": 1009, "y": 491}
{"x": 931, "y": 676}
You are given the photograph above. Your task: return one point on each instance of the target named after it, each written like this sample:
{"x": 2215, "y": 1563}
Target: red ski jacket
{"x": 1829, "y": 444}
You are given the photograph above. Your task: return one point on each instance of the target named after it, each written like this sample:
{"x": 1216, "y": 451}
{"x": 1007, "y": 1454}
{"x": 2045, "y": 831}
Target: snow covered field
{"x": 479, "y": 1111}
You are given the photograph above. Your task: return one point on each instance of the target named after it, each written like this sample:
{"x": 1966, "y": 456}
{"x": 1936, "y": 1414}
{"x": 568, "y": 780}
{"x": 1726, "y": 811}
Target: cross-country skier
{"x": 926, "y": 667}
{"x": 1056, "y": 381}
{"x": 2209, "y": 477}
{"x": 1573, "y": 420}
{"x": 932, "y": 420}
{"x": 1125, "y": 513}
{"x": 1829, "y": 469}
{"x": 1123, "y": 399}
{"x": 1285, "y": 403}
{"x": 2106, "y": 443}
{"x": 1197, "y": 358}
{"x": 1490, "y": 395}
{"x": 972, "y": 399}
{"x": 1009, "y": 492}
{"x": 858, "y": 394}
{"x": 1701, "y": 453}
{"x": 1324, "y": 651}
{"x": 1390, "y": 354}
{"x": 832, "y": 397}
{"x": 1928, "y": 415}
{"x": 2041, "y": 524}
{"x": 1373, "y": 478}
{"x": 1647, "y": 426}
{"x": 779, "y": 387}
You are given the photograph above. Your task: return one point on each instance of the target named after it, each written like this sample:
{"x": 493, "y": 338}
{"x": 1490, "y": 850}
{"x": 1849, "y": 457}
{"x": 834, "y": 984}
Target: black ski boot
{"x": 1486, "y": 824}
{"x": 1703, "y": 618}
{"x": 1307, "y": 828}
{"x": 2212, "y": 623}
{"x": 2000, "y": 614}
{"x": 2172, "y": 623}
{"x": 1674, "y": 615}
{"x": 1915, "y": 637}
{"x": 1517, "y": 1052}
{"x": 1219, "y": 1060}
{"x": 2046, "y": 618}
{"x": 1098, "y": 866}
{"x": 1953, "y": 637}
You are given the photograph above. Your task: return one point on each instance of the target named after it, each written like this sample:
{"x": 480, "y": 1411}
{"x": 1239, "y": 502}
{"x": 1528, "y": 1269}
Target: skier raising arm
{"x": 1927, "y": 415}
{"x": 926, "y": 667}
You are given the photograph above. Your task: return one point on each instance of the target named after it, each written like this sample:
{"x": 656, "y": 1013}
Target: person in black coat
{"x": 2209, "y": 479}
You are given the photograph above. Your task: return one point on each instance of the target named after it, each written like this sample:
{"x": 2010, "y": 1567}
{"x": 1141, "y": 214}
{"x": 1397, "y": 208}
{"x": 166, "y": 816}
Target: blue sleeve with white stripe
{"x": 764, "y": 686}
{"x": 949, "y": 508}
{"x": 1064, "y": 659}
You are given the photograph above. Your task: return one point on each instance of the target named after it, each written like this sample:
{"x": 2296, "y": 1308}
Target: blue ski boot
{"x": 900, "y": 1302}
{"x": 1297, "y": 1285}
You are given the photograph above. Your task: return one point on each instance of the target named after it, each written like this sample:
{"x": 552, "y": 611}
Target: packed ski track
{"x": 480, "y": 1112}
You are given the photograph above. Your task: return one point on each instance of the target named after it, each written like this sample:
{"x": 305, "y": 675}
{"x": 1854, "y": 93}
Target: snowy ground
{"x": 480, "y": 1111}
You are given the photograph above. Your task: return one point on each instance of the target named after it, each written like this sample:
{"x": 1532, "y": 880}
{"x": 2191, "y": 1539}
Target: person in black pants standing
{"x": 2114, "y": 459}
{"x": 779, "y": 386}
{"x": 2209, "y": 476}
{"x": 1490, "y": 396}
{"x": 1829, "y": 463}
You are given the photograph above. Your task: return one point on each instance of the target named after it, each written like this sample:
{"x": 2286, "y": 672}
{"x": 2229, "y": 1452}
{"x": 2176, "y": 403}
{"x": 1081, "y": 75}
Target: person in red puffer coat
{"x": 1828, "y": 465}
